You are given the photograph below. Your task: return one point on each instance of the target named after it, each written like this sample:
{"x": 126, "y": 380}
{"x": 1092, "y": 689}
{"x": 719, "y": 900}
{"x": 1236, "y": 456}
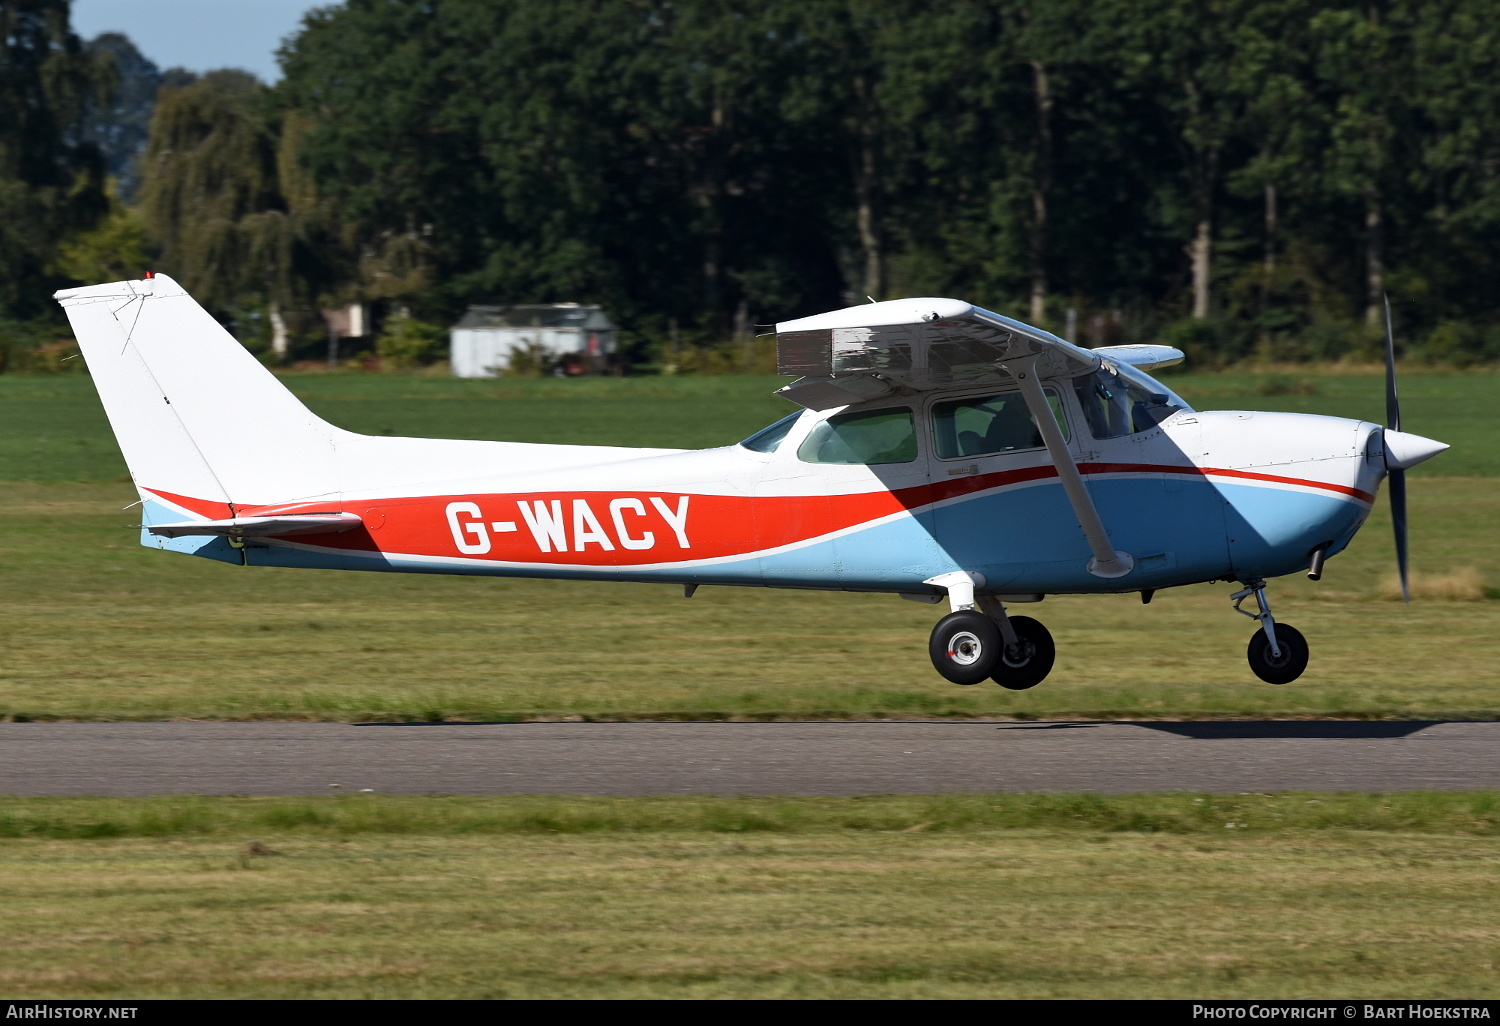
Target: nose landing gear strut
{"x": 1277, "y": 652}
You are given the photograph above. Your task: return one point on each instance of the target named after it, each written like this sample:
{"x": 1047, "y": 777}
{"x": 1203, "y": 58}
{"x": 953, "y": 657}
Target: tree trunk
{"x": 868, "y": 217}
{"x": 1041, "y": 184}
{"x": 1374, "y": 260}
{"x": 1201, "y": 249}
{"x": 278, "y": 332}
{"x": 1268, "y": 263}
{"x": 1270, "y": 258}
{"x": 867, "y": 191}
{"x": 709, "y": 195}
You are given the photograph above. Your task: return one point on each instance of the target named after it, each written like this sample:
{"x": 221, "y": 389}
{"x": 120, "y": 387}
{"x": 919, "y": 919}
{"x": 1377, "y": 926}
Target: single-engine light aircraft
{"x": 939, "y": 451}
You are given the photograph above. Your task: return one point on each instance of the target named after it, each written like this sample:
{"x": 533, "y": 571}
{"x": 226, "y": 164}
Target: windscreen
{"x": 1120, "y": 400}
{"x": 769, "y": 439}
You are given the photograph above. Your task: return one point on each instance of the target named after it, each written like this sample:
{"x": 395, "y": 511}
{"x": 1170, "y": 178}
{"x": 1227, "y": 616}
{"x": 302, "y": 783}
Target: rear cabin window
{"x": 870, "y": 437}
{"x": 1113, "y": 405}
{"x": 988, "y": 425}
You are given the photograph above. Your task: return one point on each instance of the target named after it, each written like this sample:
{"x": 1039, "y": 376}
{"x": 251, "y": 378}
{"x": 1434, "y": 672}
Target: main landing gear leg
{"x": 970, "y": 644}
{"x": 1277, "y": 652}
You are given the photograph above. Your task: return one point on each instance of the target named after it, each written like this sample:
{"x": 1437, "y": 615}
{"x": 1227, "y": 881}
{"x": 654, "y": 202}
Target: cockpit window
{"x": 1116, "y": 405}
{"x": 869, "y": 437}
{"x": 769, "y": 439}
{"x": 992, "y": 424}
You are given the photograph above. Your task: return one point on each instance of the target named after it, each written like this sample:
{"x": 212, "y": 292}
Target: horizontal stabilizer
{"x": 261, "y": 527}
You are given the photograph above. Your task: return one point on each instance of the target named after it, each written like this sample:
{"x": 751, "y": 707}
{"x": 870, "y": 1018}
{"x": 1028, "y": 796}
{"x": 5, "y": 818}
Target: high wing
{"x": 909, "y": 346}
{"x": 905, "y": 346}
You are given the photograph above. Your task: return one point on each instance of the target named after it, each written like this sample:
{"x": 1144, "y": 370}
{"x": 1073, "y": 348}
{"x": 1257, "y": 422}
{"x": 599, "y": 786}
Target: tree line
{"x": 1244, "y": 178}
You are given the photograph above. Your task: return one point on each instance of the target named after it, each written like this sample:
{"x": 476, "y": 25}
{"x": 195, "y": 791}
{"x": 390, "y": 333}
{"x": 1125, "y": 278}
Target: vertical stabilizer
{"x": 197, "y": 417}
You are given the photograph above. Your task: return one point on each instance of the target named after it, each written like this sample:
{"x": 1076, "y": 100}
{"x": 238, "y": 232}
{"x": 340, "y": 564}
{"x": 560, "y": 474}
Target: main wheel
{"x": 1030, "y": 666}
{"x": 965, "y": 646}
{"x": 1267, "y": 666}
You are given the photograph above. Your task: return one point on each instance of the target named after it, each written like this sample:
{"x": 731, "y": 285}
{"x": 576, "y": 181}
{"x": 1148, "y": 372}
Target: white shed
{"x": 577, "y": 339}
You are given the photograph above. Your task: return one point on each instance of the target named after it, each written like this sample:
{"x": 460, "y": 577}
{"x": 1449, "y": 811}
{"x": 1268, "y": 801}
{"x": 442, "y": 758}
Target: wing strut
{"x": 1107, "y": 561}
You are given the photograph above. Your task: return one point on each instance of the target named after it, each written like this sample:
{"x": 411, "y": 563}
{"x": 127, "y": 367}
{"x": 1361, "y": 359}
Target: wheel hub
{"x": 1018, "y": 656}
{"x": 965, "y": 648}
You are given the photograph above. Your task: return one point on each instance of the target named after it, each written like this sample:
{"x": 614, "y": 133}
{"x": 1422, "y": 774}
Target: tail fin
{"x": 208, "y": 432}
{"x": 199, "y": 420}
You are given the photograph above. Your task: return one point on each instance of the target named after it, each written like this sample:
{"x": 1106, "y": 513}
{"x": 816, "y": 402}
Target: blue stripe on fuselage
{"x": 1023, "y": 539}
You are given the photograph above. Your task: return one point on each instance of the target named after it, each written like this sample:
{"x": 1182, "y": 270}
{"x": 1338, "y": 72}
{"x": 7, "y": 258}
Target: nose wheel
{"x": 1278, "y": 652}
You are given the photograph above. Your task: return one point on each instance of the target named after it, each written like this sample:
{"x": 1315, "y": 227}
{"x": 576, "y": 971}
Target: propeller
{"x": 1402, "y": 452}
{"x": 1397, "y": 475}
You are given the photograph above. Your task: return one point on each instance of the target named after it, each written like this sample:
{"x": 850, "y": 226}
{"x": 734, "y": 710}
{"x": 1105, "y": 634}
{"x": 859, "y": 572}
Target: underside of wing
{"x": 906, "y": 346}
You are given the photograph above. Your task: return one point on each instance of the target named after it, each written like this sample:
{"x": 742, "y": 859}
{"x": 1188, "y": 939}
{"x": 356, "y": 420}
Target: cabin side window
{"x": 988, "y": 425}
{"x": 1113, "y": 405}
{"x": 869, "y": 437}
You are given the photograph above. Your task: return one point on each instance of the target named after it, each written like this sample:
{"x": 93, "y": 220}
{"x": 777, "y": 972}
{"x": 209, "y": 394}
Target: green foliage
{"x": 210, "y": 194}
{"x": 688, "y": 163}
{"x": 407, "y": 342}
{"x": 35, "y": 349}
{"x": 1264, "y": 169}
{"x": 116, "y": 248}
{"x": 50, "y": 184}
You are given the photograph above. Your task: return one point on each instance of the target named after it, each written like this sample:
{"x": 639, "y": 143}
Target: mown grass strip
{"x": 1474, "y": 813}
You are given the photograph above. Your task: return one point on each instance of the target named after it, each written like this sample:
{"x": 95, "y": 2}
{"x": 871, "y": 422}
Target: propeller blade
{"x": 1392, "y": 403}
{"x": 1396, "y": 483}
{"x": 1396, "y": 477}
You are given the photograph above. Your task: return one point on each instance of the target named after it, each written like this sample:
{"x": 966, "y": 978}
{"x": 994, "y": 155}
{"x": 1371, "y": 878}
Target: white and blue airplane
{"x": 939, "y": 451}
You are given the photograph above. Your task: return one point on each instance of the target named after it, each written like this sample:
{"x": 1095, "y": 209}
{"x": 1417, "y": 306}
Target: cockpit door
{"x": 998, "y": 509}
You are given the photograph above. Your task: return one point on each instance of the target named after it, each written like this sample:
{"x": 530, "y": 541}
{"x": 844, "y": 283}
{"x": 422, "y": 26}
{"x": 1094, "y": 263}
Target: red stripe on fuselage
{"x": 593, "y": 528}
{"x": 1144, "y": 468}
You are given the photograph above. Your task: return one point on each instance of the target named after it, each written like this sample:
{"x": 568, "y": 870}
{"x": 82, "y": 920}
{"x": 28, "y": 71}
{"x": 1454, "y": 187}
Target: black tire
{"x": 965, "y": 646}
{"x": 1037, "y": 655}
{"x": 1293, "y": 655}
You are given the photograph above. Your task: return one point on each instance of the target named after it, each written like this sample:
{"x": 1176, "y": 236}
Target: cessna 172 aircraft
{"x": 940, "y": 450}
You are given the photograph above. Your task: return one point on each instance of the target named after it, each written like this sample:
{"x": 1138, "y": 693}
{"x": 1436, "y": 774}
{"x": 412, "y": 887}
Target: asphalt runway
{"x": 819, "y": 758}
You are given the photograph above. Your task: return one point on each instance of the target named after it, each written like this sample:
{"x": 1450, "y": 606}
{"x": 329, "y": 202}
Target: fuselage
{"x": 1192, "y": 496}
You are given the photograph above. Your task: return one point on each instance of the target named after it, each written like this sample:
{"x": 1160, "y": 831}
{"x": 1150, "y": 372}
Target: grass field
{"x": 53, "y": 429}
{"x": 96, "y": 627}
{"x": 366, "y": 896}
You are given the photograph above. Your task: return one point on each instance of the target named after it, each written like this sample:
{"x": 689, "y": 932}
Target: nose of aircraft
{"x": 1404, "y": 451}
